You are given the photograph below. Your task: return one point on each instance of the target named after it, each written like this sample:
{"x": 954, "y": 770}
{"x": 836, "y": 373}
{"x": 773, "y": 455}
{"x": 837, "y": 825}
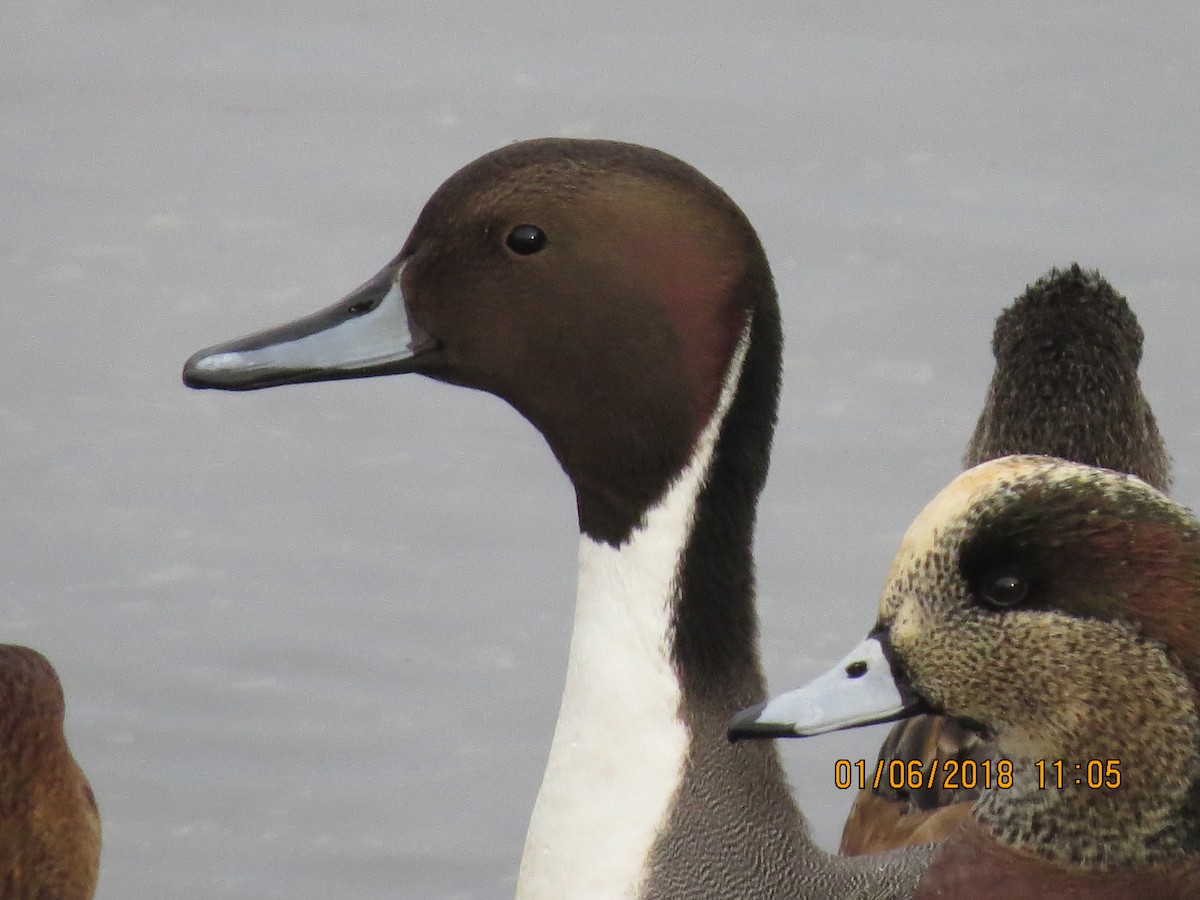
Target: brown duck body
{"x": 972, "y": 864}
{"x": 49, "y": 824}
{"x": 1066, "y": 385}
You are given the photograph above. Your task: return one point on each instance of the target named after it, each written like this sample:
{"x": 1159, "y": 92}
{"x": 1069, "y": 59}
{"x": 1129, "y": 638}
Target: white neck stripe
{"x": 620, "y": 743}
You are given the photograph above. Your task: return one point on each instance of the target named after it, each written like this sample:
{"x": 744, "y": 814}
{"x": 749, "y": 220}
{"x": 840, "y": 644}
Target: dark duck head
{"x": 1066, "y": 381}
{"x": 622, "y": 303}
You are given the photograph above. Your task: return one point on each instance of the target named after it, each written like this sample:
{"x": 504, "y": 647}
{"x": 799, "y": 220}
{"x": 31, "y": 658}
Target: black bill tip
{"x": 745, "y": 726}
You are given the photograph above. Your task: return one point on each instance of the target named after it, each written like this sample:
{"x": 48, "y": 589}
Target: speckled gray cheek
{"x": 1107, "y": 717}
{"x": 929, "y": 581}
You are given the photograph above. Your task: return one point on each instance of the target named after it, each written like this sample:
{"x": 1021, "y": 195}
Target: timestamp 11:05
{"x": 970, "y": 774}
{"x": 1095, "y": 773}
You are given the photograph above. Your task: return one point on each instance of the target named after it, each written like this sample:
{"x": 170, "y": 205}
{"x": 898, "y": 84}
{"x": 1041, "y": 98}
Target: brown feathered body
{"x": 49, "y": 824}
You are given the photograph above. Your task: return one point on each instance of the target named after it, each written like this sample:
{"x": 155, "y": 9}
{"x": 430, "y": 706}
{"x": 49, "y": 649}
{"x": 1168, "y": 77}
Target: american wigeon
{"x": 1056, "y": 606}
{"x": 1066, "y": 385}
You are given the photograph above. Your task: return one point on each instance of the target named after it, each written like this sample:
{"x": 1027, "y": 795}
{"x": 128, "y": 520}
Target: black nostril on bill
{"x": 856, "y": 669}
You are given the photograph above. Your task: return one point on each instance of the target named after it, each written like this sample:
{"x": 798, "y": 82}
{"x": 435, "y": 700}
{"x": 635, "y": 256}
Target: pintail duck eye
{"x": 526, "y": 240}
{"x": 1003, "y": 590}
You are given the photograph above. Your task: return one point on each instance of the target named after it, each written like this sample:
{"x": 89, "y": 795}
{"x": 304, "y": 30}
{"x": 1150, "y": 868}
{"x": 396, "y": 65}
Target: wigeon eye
{"x": 1003, "y": 590}
{"x": 525, "y": 240}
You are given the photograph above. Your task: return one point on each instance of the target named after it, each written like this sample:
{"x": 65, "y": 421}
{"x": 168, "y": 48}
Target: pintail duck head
{"x": 600, "y": 288}
{"x": 1057, "y": 606}
{"x": 49, "y": 826}
{"x": 622, "y": 303}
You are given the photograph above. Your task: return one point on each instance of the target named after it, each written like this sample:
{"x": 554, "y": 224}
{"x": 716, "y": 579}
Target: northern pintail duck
{"x": 1057, "y": 606}
{"x": 49, "y": 826}
{"x": 1066, "y": 385}
{"x": 622, "y": 303}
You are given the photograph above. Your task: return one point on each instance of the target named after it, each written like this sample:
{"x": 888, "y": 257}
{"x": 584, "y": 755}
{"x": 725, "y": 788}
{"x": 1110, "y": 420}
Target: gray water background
{"x": 313, "y": 639}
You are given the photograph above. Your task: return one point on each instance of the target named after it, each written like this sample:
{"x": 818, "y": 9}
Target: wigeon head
{"x": 1065, "y": 384}
{"x": 1057, "y": 607}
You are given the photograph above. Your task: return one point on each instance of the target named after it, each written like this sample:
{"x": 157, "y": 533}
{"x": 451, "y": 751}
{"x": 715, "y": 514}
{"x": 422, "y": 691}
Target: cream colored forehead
{"x": 969, "y": 490}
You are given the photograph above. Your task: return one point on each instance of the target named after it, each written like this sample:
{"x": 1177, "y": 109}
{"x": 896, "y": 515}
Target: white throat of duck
{"x": 620, "y": 743}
